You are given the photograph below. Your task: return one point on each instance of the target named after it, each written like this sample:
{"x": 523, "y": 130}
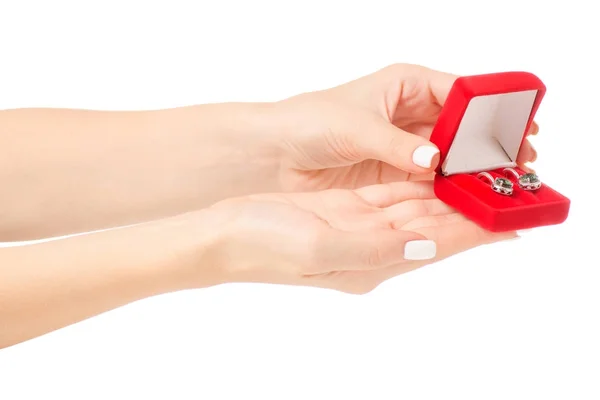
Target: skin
{"x": 346, "y": 240}
{"x": 316, "y": 190}
{"x": 73, "y": 171}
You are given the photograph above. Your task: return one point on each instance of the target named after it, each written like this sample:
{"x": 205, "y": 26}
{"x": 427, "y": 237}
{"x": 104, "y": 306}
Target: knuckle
{"x": 372, "y": 257}
{"x": 396, "y": 144}
{"x": 345, "y": 149}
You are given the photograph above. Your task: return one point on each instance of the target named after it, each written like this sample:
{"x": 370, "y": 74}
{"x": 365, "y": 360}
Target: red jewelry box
{"x": 480, "y": 129}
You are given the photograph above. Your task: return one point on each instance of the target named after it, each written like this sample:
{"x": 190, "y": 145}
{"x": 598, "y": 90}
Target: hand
{"x": 372, "y": 130}
{"x": 349, "y": 240}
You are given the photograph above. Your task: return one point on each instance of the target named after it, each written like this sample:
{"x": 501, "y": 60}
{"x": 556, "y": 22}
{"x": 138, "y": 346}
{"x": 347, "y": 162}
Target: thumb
{"x": 364, "y": 251}
{"x": 404, "y": 150}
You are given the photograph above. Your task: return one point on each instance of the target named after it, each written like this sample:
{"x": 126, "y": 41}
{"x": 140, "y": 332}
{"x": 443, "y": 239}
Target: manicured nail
{"x": 423, "y": 156}
{"x": 420, "y": 250}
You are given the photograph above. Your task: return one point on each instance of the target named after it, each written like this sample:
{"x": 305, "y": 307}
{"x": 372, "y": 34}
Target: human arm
{"x": 48, "y": 285}
{"x": 347, "y": 240}
{"x": 68, "y": 171}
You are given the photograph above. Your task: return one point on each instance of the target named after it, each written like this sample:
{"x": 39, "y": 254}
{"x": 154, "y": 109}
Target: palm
{"x": 308, "y": 218}
{"x": 410, "y": 206}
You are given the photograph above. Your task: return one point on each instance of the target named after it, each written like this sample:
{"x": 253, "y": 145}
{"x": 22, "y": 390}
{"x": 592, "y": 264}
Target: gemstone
{"x": 503, "y": 182}
{"x": 529, "y": 178}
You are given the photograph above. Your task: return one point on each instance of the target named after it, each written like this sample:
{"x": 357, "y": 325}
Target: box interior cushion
{"x": 490, "y": 133}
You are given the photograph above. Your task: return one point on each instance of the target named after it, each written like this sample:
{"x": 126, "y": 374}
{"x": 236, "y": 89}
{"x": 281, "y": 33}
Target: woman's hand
{"x": 90, "y": 170}
{"x": 349, "y": 240}
{"x": 372, "y": 130}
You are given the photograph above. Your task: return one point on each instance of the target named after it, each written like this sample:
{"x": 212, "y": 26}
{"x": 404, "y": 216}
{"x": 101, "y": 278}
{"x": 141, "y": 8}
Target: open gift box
{"x": 480, "y": 129}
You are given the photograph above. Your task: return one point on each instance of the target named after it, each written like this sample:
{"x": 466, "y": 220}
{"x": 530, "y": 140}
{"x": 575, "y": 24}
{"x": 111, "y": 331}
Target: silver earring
{"x": 499, "y": 185}
{"x": 528, "y": 181}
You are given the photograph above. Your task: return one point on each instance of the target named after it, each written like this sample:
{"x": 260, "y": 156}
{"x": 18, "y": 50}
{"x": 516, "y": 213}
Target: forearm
{"x": 69, "y": 171}
{"x": 49, "y": 285}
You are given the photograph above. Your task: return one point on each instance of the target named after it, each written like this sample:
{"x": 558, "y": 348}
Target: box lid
{"x": 484, "y": 120}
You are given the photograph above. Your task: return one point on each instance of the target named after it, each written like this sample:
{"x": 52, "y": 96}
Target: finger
{"x": 534, "y": 128}
{"x": 433, "y": 221}
{"x": 454, "y": 234}
{"x": 527, "y": 153}
{"x": 406, "y": 151}
{"x": 400, "y": 214}
{"x": 451, "y": 239}
{"x": 364, "y": 251}
{"x": 420, "y": 128}
{"x": 421, "y": 178}
{"x": 385, "y": 195}
{"x": 439, "y": 84}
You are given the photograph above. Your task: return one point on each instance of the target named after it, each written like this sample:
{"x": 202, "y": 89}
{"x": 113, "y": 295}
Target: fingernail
{"x": 420, "y": 250}
{"x": 423, "y": 156}
{"x": 534, "y": 129}
{"x": 524, "y": 231}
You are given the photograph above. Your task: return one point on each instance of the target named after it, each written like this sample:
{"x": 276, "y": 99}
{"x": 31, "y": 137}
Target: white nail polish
{"x": 420, "y": 250}
{"x": 423, "y": 155}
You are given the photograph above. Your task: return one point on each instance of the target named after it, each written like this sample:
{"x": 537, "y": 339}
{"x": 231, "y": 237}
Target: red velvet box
{"x": 481, "y": 128}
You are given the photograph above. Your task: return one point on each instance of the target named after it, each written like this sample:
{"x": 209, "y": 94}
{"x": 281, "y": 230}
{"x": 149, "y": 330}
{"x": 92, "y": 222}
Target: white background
{"x": 526, "y": 327}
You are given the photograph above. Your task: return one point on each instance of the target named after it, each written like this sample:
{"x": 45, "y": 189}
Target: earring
{"x": 499, "y": 185}
{"x": 528, "y": 181}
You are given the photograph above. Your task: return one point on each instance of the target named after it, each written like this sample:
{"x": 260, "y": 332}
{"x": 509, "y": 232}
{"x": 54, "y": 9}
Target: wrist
{"x": 194, "y": 243}
{"x": 240, "y": 147}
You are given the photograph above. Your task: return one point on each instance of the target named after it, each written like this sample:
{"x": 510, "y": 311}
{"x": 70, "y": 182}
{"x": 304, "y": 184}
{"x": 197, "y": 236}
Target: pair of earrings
{"x": 505, "y": 186}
